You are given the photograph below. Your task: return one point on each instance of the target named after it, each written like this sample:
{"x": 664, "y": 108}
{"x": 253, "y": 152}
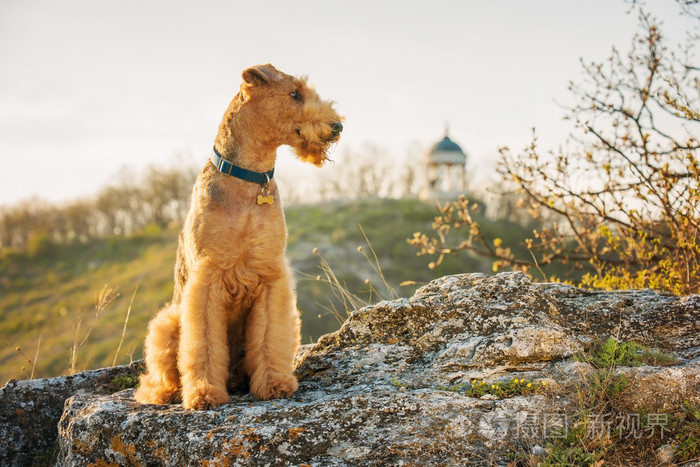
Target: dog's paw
{"x": 202, "y": 396}
{"x": 149, "y": 393}
{"x": 274, "y": 387}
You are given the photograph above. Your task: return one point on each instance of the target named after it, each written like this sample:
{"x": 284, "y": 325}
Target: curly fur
{"x": 233, "y": 318}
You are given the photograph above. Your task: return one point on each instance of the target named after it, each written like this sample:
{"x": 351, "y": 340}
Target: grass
{"x": 342, "y": 300}
{"x": 612, "y": 353}
{"x": 398, "y": 384}
{"x": 52, "y": 303}
{"x": 568, "y": 451}
{"x": 338, "y": 232}
{"x": 614, "y": 420}
{"x": 618, "y": 421}
{"x": 125, "y": 382}
{"x": 126, "y": 322}
{"x": 687, "y": 438}
{"x": 47, "y": 296}
{"x": 80, "y": 337}
{"x": 497, "y": 389}
{"x": 478, "y": 389}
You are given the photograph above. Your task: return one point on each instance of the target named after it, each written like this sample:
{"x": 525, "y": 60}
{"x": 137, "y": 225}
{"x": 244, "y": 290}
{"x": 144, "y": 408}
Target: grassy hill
{"x": 48, "y": 300}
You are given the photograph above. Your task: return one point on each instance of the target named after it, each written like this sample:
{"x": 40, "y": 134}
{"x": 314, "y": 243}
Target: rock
{"x": 385, "y": 388}
{"x": 30, "y": 410}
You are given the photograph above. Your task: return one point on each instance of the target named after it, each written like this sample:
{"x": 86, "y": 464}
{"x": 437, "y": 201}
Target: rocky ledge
{"x": 383, "y": 390}
{"x": 30, "y": 410}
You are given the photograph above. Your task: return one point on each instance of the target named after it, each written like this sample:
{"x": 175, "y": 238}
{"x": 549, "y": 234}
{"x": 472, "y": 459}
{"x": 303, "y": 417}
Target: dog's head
{"x": 287, "y": 110}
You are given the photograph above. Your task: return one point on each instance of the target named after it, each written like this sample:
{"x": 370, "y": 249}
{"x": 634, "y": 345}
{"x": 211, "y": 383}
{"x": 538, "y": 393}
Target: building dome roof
{"x": 446, "y": 144}
{"x": 446, "y": 151}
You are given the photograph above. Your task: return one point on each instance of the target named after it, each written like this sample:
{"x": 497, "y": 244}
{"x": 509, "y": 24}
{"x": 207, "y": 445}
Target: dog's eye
{"x": 295, "y": 95}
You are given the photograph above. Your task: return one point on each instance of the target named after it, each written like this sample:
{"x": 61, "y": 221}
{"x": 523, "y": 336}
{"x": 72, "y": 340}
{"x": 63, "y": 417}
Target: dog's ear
{"x": 259, "y": 75}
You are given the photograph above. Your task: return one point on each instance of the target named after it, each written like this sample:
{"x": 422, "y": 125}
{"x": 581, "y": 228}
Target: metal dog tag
{"x": 265, "y": 199}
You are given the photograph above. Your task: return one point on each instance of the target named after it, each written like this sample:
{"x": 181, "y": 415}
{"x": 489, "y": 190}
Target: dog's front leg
{"x": 271, "y": 339}
{"x": 203, "y": 354}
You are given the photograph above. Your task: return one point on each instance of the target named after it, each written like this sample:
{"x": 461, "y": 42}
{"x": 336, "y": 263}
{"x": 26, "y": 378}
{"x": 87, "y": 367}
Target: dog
{"x": 233, "y": 318}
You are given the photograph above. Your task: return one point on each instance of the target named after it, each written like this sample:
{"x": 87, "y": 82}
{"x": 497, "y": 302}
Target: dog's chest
{"x": 254, "y": 255}
{"x": 240, "y": 237}
{"x": 254, "y": 239}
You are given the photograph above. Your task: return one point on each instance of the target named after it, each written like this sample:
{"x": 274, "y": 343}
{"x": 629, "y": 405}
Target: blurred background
{"x": 90, "y": 88}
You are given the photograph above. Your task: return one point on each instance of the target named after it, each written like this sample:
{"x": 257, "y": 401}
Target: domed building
{"x": 445, "y": 174}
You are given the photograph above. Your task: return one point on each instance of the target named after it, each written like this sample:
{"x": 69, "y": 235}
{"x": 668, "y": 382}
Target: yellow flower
{"x": 529, "y": 385}
{"x": 543, "y": 383}
{"x": 522, "y": 381}
{"x": 493, "y": 387}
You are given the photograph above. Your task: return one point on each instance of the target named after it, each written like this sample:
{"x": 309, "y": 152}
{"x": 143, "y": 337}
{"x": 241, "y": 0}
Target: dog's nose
{"x": 337, "y": 127}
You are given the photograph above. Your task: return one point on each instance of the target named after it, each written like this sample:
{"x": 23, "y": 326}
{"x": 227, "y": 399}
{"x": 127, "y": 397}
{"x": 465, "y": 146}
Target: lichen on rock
{"x": 30, "y": 410}
{"x": 378, "y": 391}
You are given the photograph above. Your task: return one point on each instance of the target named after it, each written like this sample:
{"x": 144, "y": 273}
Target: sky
{"x": 89, "y": 88}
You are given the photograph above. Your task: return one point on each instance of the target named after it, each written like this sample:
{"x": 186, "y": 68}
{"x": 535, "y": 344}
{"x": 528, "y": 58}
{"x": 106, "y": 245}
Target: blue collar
{"x": 227, "y": 167}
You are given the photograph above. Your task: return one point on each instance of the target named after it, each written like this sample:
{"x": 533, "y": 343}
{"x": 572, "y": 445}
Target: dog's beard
{"x": 316, "y": 154}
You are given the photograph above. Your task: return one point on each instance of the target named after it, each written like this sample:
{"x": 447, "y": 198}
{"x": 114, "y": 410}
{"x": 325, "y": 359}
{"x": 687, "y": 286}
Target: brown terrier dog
{"x": 233, "y": 317}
